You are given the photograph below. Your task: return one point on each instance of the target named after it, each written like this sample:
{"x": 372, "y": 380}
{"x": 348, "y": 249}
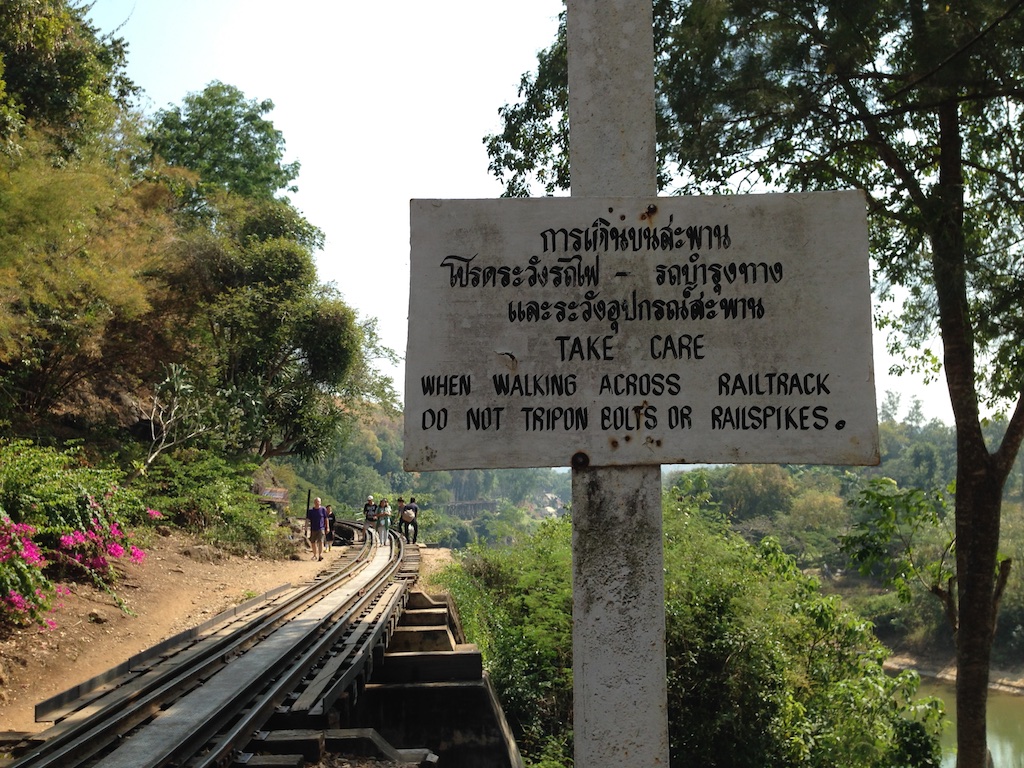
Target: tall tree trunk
{"x": 978, "y": 500}
{"x": 978, "y": 488}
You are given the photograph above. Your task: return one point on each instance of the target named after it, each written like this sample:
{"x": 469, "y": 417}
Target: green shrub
{"x": 68, "y": 524}
{"x": 762, "y": 668}
{"x": 766, "y": 670}
{"x": 516, "y": 604}
{"x": 44, "y": 487}
{"x": 204, "y": 493}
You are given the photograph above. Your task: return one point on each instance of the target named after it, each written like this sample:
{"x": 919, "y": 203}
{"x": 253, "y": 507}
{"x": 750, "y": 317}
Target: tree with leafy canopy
{"x": 281, "y": 354}
{"x": 79, "y": 252}
{"x": 58, "y": 73}
{"x": 366, "y": 460}
{"x": 77, "y": 237}
{"x": 919, "y": 104}
{"x": 225, "y": 138}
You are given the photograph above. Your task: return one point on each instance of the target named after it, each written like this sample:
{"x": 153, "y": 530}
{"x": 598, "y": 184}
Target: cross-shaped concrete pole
{"x": 619, "y": 686}
{"x": 526, "y": 315}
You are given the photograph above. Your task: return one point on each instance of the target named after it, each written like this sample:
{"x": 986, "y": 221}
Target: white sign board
{"x": 548, "y": 331}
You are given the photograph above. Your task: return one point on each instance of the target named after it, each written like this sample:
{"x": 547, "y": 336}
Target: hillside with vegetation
{"x": 163, "y": 332}
{"x": 882, "y": 537}
{"x": 168, "y": 353}
{"x": 763, "y": 667}
{"x": 169, "y": 356}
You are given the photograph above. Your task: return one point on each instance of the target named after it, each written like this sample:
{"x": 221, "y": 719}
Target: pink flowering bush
{"x": 27, "y": 591}
{"x": 26, "y": 594}
{"x": 60, "y": 519}
{"x": 92, "y": 550}
{"x": 30, "y": 559}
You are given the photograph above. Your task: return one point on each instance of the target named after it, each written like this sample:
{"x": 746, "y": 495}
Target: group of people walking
{"x": 377, "y": 520}
{"x": 377, "y": 517}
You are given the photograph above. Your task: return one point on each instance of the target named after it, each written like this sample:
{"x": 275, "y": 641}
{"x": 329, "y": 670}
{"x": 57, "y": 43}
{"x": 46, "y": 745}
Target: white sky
{"x": 380, "y": 103}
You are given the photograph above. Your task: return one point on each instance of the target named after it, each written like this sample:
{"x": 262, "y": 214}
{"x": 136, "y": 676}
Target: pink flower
{"x": 153, "y": 513}
{"x": 17, "y": 601}
{"x": 114, "y": 549}
{"x": 137, "y": 555}
{"x": 30, "y": 553}
{"x": 16, "y": 542}
{"x": 72, "y": 540}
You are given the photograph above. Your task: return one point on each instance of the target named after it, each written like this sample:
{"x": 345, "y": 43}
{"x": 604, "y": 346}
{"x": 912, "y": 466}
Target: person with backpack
{"x": 369, "y": 518}
{"x": 409, "y": 514}
{"x": 331, "y": 520}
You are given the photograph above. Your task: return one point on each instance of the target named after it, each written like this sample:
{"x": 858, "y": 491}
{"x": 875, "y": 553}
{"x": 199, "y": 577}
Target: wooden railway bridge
{"x": 356, "y": 661}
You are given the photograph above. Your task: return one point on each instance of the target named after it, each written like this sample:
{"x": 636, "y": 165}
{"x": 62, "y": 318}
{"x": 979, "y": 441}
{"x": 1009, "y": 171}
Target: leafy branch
{"x": 904, "y": 536}
{"x": 174, "y": 415}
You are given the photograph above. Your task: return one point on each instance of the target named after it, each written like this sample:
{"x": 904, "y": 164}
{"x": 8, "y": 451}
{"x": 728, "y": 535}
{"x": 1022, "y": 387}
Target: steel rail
{"x": 192, "y": 663}
{"x": 85, "y": 732}
{"x": 229, "y": 722}
{"x": 241, "y": 732}
{"x": 223, "y": 635}
{"x": 184, "y": 728}
{"x": 67, "y": 704}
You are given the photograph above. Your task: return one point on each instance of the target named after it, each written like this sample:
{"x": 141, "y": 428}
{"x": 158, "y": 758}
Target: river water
{"x": 1005, "y": 724}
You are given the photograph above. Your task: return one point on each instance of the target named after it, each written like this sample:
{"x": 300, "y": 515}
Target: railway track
{"x": 199, "y": 699}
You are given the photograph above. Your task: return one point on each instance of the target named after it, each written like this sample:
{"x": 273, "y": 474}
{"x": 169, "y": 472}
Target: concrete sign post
{"x": 615, "y": 331}
{"x": 620, "y": 690}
